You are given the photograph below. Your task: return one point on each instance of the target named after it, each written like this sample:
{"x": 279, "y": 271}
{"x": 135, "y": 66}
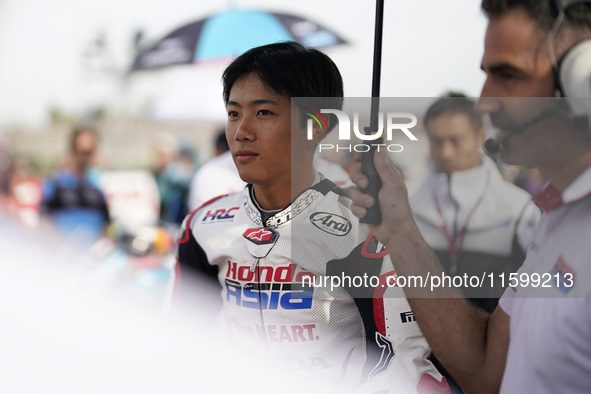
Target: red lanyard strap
{"x": 453, "y": 250}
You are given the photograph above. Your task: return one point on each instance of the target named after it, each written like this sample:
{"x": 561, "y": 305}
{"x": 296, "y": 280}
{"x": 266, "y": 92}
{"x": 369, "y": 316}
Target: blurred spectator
{"x": 72, "y": 196}
{"x": 221, "y": 143}
{"x": 165, "y": 150}
{"x": 6, "y": 169}
{"x": 25, "y": 194}
{"x": 173, "y": 170}
{"x": 473, "y": 219}
{"x": 217, "y": 177}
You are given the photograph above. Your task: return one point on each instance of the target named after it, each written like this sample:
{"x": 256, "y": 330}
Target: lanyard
{"x": 454, "y": 248}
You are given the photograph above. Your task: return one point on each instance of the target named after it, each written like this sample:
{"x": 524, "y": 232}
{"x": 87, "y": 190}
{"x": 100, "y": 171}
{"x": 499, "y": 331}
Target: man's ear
{"x": 318, "y": 134}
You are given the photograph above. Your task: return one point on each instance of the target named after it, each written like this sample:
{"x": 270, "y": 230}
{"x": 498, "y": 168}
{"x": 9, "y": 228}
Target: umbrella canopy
{"x": 229, "y": 34}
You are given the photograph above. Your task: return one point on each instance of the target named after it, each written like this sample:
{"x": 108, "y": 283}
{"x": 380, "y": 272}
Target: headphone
{"x": 573, "y": 82}
{"x": 573, "y": 73}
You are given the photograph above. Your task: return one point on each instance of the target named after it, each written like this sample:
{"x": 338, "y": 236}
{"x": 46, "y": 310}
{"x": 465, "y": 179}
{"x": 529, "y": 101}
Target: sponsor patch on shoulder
{"x": 331, "y": 223}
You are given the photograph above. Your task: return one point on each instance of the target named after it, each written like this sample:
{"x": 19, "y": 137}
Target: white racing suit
{"x": 279, "y": 285}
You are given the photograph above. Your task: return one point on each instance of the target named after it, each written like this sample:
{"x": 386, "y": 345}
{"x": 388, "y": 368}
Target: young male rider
{"x": 290, "y": 223}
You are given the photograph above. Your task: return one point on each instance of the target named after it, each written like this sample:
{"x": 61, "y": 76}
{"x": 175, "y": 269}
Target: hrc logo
{"x": 219, "y": 215}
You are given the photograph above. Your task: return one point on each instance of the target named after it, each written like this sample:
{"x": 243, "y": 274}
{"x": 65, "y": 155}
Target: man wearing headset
{"x": 538, "y": 340}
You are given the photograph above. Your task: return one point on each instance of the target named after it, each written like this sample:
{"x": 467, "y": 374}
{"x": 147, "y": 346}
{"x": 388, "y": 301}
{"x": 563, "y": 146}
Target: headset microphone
{"x": 494, "y": 145}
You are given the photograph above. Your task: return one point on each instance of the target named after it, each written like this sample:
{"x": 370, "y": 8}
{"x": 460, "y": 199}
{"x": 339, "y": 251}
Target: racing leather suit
{"x": 276, "y": 272}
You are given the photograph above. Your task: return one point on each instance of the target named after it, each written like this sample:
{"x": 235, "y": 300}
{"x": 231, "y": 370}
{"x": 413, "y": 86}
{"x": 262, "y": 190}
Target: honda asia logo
{"x": 394, "y": 121}
{"x": 220, "y": 215}
{"x": 268, "y": 287}
{"x": 331, "y": 223}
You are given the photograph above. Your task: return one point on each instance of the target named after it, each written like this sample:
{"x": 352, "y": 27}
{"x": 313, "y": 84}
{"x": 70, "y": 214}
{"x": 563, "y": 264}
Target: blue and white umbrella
{"x": 229, "y": 34}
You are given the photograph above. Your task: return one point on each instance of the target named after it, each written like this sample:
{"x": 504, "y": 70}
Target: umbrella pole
{"x": 374, "y": 214}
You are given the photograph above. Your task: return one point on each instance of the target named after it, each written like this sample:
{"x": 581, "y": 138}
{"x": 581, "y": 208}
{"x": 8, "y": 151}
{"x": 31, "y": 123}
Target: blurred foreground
{"x": 65, "y": 330}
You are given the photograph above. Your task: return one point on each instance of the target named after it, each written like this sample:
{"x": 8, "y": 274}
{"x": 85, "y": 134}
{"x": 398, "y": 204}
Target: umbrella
{"x": 229, "y": 34}
{"x": 374, "y": 214}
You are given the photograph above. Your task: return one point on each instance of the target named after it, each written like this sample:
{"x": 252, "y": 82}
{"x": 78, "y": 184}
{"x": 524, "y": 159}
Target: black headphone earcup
{"x": 575, "y": 78}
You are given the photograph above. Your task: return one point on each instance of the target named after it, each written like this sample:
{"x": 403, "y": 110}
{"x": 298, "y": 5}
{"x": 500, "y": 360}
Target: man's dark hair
{"x": 544, "y": 12}
{"x": 454, "y": 103}
{"x": 289, "y": 69}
